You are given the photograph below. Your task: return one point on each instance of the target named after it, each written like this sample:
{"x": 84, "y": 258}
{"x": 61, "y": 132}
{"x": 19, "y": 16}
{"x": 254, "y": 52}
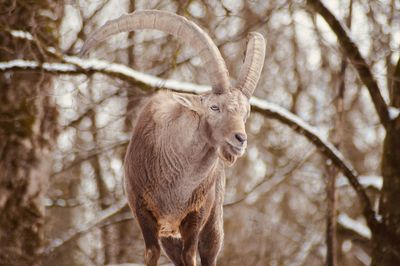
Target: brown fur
{"x": 174, "y": 171}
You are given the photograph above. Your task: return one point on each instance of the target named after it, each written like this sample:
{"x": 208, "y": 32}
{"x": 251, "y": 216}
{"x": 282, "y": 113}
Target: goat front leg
{"x": 211, "y": 238}
{"x": 173, "y": 248}
{"x": 150, "y": 229}
{"x": 190, "y": 229}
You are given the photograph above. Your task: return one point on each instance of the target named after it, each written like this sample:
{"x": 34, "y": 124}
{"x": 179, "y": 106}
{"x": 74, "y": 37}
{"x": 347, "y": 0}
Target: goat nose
{"x": 241, "y": 137}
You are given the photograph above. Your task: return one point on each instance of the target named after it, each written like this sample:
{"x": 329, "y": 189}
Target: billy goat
{"x": 174, "y": 165}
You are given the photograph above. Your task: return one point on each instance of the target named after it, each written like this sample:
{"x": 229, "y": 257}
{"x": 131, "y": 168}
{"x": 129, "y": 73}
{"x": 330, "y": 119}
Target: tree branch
{"x": 359, "y": 63}
{"x": 268, "y": 184}
{"x": 395, "y": 95}
{"x": 326, "y": 148}
{"x": 77, "y": 66}
{"x": 75, "y": 232}
{"x": 90, "y": 155}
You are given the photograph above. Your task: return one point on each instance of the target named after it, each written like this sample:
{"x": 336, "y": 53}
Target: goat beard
{"x": 226, "y": 156}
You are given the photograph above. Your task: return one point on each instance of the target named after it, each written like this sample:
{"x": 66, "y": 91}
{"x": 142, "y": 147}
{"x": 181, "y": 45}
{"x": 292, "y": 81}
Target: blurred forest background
{"x": 65, "y": 125}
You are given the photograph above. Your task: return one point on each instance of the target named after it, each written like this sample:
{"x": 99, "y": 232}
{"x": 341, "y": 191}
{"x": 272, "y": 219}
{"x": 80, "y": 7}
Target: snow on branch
{"x": 394, "y": 112}
{"x": 367, "y": 181}
{"x": 356, "y": 226}
{"x": 77, "y": 66}
{"x": 271, "y": 110}
{"x": 20, "y": 64}
{"x": 21, "y": 34}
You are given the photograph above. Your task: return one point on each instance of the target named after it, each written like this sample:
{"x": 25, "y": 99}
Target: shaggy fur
{"x": 174, "y": 166}
{"x": 174, "y": 171}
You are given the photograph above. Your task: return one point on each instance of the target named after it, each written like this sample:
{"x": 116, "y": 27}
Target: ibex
{"x": 174, "y": 165}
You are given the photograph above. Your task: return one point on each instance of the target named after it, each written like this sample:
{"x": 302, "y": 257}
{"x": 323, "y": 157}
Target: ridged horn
{"x": 178, "y": 26}
{"x": 251, "y": 69}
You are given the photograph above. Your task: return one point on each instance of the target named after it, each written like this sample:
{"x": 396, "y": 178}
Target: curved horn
{"x": 176, "y": 25}
{"x": 251, "y": 69}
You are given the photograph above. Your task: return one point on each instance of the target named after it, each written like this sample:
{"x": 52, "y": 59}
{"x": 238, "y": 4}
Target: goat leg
{"x": 173, "y": 248}
{"x": 211, "y": 238}
{"x": 150, "y": 229}
{"x": 190, "y": 229}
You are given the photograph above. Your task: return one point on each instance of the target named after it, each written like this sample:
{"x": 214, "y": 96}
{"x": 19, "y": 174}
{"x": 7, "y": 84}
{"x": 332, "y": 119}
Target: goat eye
{"x": 214, "y": 108}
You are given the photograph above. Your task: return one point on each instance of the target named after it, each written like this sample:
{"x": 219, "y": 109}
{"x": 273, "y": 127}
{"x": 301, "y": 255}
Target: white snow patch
{"x": 378, "y": 217}
{"x": 356, "y": 226}
{"x": 365, "y": 181}
{"x": 153, "y": 81}
{"x": 393, "y": 112}
{"x": 18, "y": 63}
{"x": 61, "y": 67}
{"x": 21, "y": 34}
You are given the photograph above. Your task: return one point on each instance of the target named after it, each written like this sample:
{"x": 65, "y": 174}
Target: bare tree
{"x": 385, "y": 231}
{"x": 27, "y": 132}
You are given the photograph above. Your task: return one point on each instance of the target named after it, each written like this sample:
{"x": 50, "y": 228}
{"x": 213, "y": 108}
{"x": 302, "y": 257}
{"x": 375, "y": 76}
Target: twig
{"x": 359, "y": 63}
{"x": 73, "y": 233}
{"x": 325, "y": 147}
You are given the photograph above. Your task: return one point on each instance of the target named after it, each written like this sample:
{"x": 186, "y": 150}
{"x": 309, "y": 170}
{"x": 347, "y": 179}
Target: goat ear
{"x": 191, "y": 102}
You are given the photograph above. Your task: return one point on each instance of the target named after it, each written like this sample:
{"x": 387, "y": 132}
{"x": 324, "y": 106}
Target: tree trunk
{"x": 27, "y": 119}
{"x": 387, "y": 240}
{"x": 102, "y": 189}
